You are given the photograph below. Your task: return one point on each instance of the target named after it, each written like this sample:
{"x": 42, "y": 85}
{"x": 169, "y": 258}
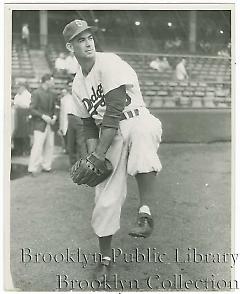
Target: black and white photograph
{"x": 119, "y": 145}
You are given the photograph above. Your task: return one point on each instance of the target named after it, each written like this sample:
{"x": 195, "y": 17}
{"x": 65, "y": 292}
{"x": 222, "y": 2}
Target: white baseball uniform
{"x": 134, "y": 148}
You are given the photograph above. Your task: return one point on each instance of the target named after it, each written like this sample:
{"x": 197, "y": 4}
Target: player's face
{"x": 83, "y": 45}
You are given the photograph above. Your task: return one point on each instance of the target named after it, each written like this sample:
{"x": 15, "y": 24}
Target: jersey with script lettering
{"x": 109, "y": 72}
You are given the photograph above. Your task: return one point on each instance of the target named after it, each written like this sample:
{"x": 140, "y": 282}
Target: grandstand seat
{"x": 183, "y": 84}
{"x": 187, "y": 93}
{"x": 184, "y": 101}
{"x": 196, "y": 102}
{"x": 209, "y": 99}
{"x": 201, "y": 84}
{"x": 161, "y": 88}
{"x": 21, "y": 62}
{"x": 162, "y": 93}
{"x": 210, "y": 94}
{"x": 148, "y": 83}
{"x": 172, "y": 84}
{"x": 199, "y": 93}
{"x": 169, "y": 103}
{"x": 222, "y": 104}
{"x": 193, "y": 84}
{"x": 163, "y": 83}
{"x": 149, "y": 93}
{"x": 176, "y": 93}
{"x": 156, "y": 102}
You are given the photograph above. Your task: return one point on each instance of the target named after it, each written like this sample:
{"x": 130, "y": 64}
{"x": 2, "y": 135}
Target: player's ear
{"x": 69, "y": 47}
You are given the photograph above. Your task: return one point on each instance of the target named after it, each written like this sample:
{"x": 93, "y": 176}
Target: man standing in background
{"x": 60, "y": 64}
{"x": 44, "y": 116}
{"x": 181, "y": 72}
{"x": 21, "y": 112}
{"x": 25, "y": 35}
{"x": 71, "y": 127}
{"x": 72, "y": 65}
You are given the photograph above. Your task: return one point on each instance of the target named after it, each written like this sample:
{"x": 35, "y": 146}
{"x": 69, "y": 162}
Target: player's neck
{"x": 86, "y": 65}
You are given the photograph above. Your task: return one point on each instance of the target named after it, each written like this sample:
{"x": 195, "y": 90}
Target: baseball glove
{"x": 91, "y": 171}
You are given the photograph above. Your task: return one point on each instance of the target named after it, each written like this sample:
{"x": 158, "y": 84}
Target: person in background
{"x": 25, "y": 35}
{"x": 21, "y": 105}
{"x": 165, "y": 63}
{"x": 181, "y": 72}
{"x": 72, "y": 65}
{"x": 177, "y": 43}
{"x": 60, "y": 64}
{"x": 44, "y": 115}
{"x": 23, "y": 97}
{"x": 63, "y": 119}
{"x": 71, "y": 127}
{"x": 224, "y": 52}
{"x": 154, "y": 64}
{"x": 160, "y": 64}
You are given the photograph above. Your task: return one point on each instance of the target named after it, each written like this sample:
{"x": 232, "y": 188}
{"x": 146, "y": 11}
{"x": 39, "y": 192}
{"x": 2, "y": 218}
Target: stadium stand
{"x": 208, "y": 86}
{"x": 21, "y": 62}
{"x": 200, "y": 68}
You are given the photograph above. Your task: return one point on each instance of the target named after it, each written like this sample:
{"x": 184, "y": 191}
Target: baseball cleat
{"x": 102, "y": 270}
{"x": 144, "y": 226}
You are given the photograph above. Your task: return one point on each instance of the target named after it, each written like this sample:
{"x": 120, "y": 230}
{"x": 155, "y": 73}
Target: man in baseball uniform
{"x": 118, "y": 127}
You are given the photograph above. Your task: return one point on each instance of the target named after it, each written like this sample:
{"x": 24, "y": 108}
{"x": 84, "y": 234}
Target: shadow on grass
{"x": 18, "y": 171}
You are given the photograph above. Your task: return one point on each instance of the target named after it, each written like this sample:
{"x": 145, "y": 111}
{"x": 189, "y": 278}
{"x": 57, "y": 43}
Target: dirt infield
{"x": 192, "y": 212}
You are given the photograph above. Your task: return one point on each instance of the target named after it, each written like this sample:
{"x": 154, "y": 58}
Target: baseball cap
{"x": 74, "y": 28}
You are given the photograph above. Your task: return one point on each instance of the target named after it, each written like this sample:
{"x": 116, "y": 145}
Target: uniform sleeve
{"x": 115, "y": 103}
{"x": 115, "y": 73}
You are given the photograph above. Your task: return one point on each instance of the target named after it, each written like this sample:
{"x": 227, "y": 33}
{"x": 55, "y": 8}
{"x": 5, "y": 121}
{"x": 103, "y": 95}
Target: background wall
{"x": 195, "y": 126}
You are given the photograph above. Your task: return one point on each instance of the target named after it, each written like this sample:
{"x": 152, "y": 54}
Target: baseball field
{"x": 53, "y": 247}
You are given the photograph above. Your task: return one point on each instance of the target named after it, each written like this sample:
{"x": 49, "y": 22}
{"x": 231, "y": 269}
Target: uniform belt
{"x": 130, "y": 114}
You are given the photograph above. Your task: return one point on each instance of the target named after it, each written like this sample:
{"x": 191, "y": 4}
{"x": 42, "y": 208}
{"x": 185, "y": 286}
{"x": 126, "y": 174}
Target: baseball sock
{"x": 144, "y": 209}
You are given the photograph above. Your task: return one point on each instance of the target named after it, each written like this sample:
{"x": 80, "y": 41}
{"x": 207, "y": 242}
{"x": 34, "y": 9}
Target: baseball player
{"x": 118, "y": 127}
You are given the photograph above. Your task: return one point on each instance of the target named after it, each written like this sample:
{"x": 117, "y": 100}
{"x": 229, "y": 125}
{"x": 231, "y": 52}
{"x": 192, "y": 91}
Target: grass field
{"x": 191, "y": 207}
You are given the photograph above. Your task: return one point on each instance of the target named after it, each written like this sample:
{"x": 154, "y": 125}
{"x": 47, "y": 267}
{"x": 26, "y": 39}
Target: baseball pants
{"x": 133, "y": 151}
